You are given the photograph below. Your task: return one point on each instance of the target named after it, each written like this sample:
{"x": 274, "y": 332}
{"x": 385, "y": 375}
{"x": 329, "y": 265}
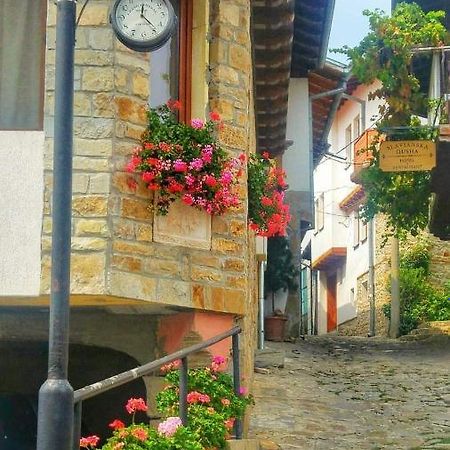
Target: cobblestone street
{"x": 355, "y": 393}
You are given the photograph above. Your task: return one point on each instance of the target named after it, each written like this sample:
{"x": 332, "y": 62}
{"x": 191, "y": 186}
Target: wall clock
{"x": 143, "y": 25}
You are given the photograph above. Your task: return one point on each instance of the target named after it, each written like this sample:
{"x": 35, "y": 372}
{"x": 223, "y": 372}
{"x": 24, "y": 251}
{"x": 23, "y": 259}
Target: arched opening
{"x": 23, "y": 366}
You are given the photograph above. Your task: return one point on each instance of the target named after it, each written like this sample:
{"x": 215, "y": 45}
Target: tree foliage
{"x": 386, "y": 54}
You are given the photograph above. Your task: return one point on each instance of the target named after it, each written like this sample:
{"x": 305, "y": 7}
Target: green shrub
{"x": 419, "y": 300}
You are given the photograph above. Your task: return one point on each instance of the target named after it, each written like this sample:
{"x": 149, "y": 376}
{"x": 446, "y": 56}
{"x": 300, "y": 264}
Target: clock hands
{"x": 145, "y": 18}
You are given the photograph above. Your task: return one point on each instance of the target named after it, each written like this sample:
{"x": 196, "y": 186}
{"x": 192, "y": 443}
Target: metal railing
{"x": 130, "y": 375}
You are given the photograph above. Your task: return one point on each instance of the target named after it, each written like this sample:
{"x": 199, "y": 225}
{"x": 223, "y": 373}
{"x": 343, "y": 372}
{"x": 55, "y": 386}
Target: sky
{"x": 349, "y": 25}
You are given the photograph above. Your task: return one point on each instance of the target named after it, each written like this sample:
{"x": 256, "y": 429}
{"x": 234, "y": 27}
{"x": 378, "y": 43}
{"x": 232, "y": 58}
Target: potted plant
{"x": 281, "y": 276}
{"x": 180, "y": 161}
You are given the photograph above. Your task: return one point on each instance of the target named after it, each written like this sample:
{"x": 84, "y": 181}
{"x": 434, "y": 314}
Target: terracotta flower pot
{"x": 274, "y": 328}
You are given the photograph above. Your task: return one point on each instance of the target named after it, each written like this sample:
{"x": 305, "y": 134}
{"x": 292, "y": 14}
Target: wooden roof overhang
{"x": 353, "y": 199}
{"x": 290, "y": 38}
{"x": 329, "y": 260}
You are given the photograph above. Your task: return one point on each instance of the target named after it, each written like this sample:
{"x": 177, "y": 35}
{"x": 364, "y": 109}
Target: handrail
{"x": 122, "y": 378}
{"x": 138, "y": 372}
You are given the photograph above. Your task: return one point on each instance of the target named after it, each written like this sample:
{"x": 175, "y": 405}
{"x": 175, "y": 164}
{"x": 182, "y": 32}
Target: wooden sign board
{"x": 405, "y": 156}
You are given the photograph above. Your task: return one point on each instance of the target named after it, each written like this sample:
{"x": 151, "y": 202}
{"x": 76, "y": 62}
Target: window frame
{"x": 42, "y": 71}
{"x": 348, "y": 139}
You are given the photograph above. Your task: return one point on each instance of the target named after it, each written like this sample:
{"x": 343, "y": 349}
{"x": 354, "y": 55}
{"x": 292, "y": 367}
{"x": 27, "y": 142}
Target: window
{"x": 171, "y": 64}
{"x": 22, "y": 47}
{"x": 356, "y": 127}
{"x": 348, "y": 143}
{"x": 319, "y": 212}
{"x": 359, "y": 229}
{"x": 355, "y": 229}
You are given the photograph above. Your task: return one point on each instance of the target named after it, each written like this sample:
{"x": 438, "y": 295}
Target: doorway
{"x": 331, "y": 302}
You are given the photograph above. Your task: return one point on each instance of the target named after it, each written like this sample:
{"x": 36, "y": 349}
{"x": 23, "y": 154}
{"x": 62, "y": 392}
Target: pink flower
{"x": 242, "y": 390}
{"x": 116, "y": 424}
{"x": 218, "y": 363}
{"x": 89, "y": 441}
{"x": 180, "y": 166}
{"x": 225, "y": 402}
{"x": 135, "y": 404}
{"x": 171, "y": 366}
{"x": 207, "y": 152}
{"x": 169, "y": 426}
{"x": 197, "y": 123}
{"x": 196, "y": 164}
{"x": 140, "y": 434}
{"x": 119, "y": 446}
{"x": 227, "y": 177}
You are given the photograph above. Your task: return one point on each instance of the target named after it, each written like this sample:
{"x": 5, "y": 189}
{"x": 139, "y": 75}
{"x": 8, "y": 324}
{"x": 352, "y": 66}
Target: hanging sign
{"x": 405, "y": 156}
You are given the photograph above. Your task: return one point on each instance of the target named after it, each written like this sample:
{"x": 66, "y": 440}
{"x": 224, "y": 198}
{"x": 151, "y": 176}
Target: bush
{"x": 419, "y": 300}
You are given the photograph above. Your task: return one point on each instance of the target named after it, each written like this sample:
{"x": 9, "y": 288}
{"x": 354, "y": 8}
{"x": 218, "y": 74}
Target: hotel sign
{"x": 404, "y": 156}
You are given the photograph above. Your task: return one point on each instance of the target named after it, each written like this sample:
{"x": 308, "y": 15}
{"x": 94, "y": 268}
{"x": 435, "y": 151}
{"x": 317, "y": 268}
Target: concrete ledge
{"x": 243, "y": 444}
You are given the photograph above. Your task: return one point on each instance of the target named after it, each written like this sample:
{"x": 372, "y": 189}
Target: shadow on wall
{"x": 23, "y": 369}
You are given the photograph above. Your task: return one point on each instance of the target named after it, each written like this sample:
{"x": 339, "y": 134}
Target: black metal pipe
{"x": 183, "y": 391}
{"x": 117, "y": 380}
{"x": 77, "y": 425}
{"x": 55, "y": 413}
{"x": 236, "y": 381}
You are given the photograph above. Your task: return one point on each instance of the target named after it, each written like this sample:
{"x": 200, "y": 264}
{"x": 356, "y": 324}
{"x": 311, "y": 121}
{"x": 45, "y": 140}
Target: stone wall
{"x": 439, "y": 275}
{"x": 114, "y": 250}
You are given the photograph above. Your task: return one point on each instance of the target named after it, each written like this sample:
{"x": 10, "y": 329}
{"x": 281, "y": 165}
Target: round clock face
{"x": 143, "y": 25}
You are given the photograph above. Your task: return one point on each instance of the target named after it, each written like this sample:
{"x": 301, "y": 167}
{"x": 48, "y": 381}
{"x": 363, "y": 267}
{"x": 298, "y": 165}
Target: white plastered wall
{"x": 21, "y": 205}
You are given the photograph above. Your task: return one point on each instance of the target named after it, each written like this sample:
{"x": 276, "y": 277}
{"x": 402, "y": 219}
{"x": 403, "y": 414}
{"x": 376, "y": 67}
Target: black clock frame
{"x": 148, "y": 45}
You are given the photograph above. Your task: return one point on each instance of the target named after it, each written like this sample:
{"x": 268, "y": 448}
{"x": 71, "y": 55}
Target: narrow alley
{"x": 355, "y": 393}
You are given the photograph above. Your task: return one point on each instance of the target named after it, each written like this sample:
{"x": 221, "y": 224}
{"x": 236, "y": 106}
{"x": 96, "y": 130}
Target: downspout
{"x": 326, "y": 33}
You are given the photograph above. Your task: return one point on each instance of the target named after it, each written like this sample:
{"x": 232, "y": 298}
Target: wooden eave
{"x": 330, "y": 259}
{"x": 352, "y": 200}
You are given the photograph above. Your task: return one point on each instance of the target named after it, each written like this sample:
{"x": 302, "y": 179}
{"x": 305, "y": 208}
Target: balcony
{"x": 361, "y": 154}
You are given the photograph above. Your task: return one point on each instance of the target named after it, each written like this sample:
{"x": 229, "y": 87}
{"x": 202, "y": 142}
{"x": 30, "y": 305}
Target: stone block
{"x": 47, "y": 225}
{"x": 133, "y": 285}
{"x": 135, "y": 209}
{"x": 88, "y": 243}
{"x": 129, "y": 109}
{"x": 93, "y": 127}
{"x": 174, "y": 292}
{"x": 89, "y": 164}
{"x": 165, "y": 267}
{"x": 101, "y": 38}
{"x": 184, "y": 226}
{"x": 97, "y": 79}
{"x": 234, "y": 265}
{"x": 238, "y": 227}
{"x": 82, "y": 104}
{"x": 229, "y": 246}
{"x": 95, "y": 14}
{"x": 100, "y": 183}
{"x": 80, "y": 183}
{"x": 144, "y": 232}
{"x": 236, "y": 282}
{"x": 218, "y": 51}
{"x": 140, "y": 85}
{"x": 217, "y": 299}
{"x": 91, "y": 227}
{"x": 93, "y": 147}
{"x": 224, "y": 74}
{"x": 87, "y": 273}
{"x": 206, "y": 260}
{"x": 93, "y": 58}
{"x": 239, "y": 58}
{"x": 224, "y": 107}
{"x": 90, "y": 206}
{"x": 126, "y": 263}
{"x": 198, "y": 296}
{"x": 229, "y": 13}
{"x": 235, "y": 301}
{"x": 233, "y": 137}
{"x": 121, "y": 79}
{"x": 205, "y": 274}
{"x": 103, "y": 105}
{"x": 132, "y": 248}
{"x": 129, "y": 130}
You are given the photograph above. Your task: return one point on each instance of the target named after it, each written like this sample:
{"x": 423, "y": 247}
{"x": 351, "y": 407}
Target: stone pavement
{"x": 355, "y": 393}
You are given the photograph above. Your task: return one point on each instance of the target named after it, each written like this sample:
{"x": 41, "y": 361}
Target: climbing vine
{"x": 386, "y": 54}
